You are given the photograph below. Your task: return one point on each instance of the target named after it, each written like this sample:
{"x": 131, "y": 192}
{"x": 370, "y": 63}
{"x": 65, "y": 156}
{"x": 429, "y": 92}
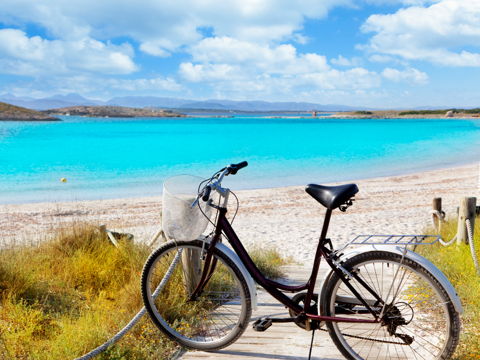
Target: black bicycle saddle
{"x": 331, "y": 196}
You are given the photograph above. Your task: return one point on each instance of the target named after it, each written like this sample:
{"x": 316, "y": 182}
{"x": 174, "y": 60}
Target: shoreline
{"x": 285, "y": 217}
{"x": 242, "y": 187}
{"x": 413, "y": 169}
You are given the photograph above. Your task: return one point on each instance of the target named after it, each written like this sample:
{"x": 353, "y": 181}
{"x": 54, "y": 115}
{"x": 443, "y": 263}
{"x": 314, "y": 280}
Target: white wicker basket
{"x": 181, "y": 221}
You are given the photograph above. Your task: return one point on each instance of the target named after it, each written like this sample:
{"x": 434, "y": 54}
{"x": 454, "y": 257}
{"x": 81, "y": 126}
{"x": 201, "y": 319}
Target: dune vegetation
{"x": 70, "y": 294}
{"x": 455, "y": 261}
{"x": 440, "y": 112}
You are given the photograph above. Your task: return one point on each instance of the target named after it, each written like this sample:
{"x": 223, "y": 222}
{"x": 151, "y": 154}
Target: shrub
{"x": 456, "y": 263}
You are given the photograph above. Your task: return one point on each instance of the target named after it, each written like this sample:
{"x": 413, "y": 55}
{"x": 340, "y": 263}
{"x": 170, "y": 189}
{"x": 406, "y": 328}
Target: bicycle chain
{"x": 369, "y": 339}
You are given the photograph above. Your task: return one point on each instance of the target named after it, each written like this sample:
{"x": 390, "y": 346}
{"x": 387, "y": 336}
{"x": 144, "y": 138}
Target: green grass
{"x": 456, "y": 263}
{"x": 268, "y": 261}
{"x": 472, "y": 111}
{"x": 440, "y": 112}
{"x": 67, "y": 296}
{"x": 425, "y": 112}
{"x": 363, "y": 112}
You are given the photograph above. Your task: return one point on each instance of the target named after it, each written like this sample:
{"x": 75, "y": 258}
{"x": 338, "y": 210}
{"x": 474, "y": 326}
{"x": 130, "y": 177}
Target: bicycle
{"x": 378, "y": 301}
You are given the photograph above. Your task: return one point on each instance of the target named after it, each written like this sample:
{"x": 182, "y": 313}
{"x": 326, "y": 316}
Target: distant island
{"x": 112, "y": 111}
{"x": 408, "y": 114}
{"x": 10, "y": 112}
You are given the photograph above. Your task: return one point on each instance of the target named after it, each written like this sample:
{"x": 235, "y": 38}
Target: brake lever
{"x": 195, "y": 203}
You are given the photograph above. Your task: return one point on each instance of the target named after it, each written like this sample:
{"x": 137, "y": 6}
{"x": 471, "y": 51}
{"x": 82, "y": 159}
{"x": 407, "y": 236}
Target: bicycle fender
{"x": 236, "y": 260}
{"x": 426, "y": 264}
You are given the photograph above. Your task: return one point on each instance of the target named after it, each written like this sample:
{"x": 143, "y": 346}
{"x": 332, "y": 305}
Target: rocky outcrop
{"x": 10, "y": 112}
{"x": 112, "y": 111}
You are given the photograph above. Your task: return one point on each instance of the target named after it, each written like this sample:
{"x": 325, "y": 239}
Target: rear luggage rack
{"x": 398, "y": 240}
{"x": 394, "y": 240}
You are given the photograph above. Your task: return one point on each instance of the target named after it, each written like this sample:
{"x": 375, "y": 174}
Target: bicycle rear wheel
{"x": 216, "y": 318}
{"x": 419, "y": 320}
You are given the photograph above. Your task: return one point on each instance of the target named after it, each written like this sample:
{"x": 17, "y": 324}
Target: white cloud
{"x": 348, "y": 80}
{"x": 94, "y": 86}
{"x": 281, "y": 59}
{"x": 410, "y": 75}
{"x": 207, "y": 72}
{"x": 164, "y": 26}
{"x": 381, "y": 58}
{"x": 232, "y": 66}
{"x": 401, "y": 2}
{"x": 23, "y": 55}
{"x": 153, "y": 85}
{"x": 440, "y": 33}
{"x": 343, "y": 61}
{"x": 238, "y": 48}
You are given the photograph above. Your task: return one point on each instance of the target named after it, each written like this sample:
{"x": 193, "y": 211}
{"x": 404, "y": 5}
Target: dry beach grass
{"x": 61, "y": 299}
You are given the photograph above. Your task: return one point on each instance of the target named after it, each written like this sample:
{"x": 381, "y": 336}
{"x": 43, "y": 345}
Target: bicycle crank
{"x": 305, "y": 324}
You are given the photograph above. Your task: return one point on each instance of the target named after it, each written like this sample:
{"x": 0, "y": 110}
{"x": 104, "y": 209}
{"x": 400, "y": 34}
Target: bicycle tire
{"x": 216, "y": 319}
{"x": 413, "y": 296}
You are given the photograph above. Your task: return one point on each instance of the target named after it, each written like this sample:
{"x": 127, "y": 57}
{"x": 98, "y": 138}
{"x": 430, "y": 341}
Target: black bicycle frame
{"x": 274, "y": 288}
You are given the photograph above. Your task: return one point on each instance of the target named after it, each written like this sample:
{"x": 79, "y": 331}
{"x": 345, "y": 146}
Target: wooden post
{"x": 437, "y": 208}
{"x": 192, "y": 270}
{"x": 466, "y": 211}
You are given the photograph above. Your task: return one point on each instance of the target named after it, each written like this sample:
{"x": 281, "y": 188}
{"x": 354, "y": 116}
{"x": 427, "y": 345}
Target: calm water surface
{"x": 112, "y": 158}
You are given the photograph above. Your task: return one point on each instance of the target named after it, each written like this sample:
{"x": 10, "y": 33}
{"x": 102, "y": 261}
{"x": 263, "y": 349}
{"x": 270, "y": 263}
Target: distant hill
{"x": 10, "y": 112}
{"x": 51, "y": 102}
{"x": 147, "y": 101}
{"x": 111, "y": 111}
{"x": 62, "y": 101}
{"x": 225, "y": 105}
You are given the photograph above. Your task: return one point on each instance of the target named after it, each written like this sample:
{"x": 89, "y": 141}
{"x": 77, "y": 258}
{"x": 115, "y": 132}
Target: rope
{"x": 441, "y": 218}
{"x": 440, "y": 215}
{"x": 137, "y": 317}
{"x": 115, "y": 338}
{"x": 447, "y": 243}
{"x": 472, "y": 245}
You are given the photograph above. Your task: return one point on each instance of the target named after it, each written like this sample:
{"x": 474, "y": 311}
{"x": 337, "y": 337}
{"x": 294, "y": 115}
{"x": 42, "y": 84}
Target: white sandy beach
{"x": 285, "y": 218}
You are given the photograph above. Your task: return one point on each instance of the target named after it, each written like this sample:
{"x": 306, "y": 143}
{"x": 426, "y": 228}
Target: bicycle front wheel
{"x": 217, "y": 317}
{"x": 418, "y": 319}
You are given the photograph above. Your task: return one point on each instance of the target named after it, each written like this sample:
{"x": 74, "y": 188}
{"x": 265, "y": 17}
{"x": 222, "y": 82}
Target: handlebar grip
{"x": 235, "y": 167}
{"x": 241, "y": 165}
{"x": 206, "y": 193}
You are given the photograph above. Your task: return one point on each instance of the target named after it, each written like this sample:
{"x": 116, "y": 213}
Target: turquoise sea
{"x": 114, "y": 158}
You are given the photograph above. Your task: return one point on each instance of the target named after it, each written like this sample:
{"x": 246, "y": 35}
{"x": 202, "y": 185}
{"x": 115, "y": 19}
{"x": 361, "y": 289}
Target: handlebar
{"x": 216, "y": 181}
{"x": 233, "y": 168}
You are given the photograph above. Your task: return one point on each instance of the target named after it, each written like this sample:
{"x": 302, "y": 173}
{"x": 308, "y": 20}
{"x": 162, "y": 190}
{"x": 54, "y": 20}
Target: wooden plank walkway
{"x": 283, "y": 341}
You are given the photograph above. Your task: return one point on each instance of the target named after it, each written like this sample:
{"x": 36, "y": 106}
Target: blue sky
{"x": 374, "y": 53}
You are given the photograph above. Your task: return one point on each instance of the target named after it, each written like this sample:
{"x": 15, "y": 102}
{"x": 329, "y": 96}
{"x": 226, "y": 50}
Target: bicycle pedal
{"x": 262, "y": 324}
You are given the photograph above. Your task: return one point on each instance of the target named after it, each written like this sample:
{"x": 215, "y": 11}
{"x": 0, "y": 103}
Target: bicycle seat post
{"x": 326, "y": 223}
{"x": 318, "y": 256}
